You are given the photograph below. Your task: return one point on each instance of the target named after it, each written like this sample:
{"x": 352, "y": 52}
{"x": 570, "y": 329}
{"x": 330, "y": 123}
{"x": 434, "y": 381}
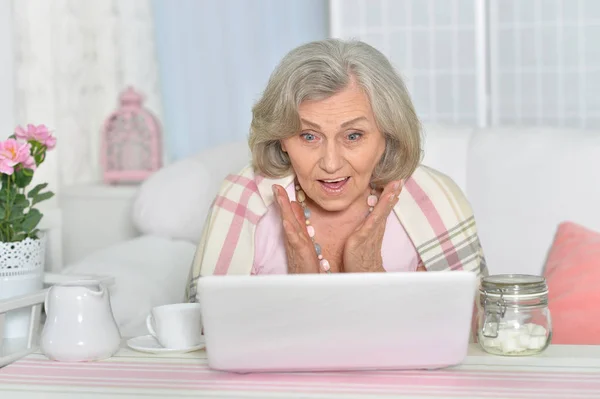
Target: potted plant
{"x": 22, "y": 248}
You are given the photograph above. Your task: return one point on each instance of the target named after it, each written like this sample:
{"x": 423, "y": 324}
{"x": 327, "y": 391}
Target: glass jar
{"x": 513, "y": 316}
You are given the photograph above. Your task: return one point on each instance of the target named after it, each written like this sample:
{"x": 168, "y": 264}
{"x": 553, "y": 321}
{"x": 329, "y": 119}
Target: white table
{"x": 562, "y": 372}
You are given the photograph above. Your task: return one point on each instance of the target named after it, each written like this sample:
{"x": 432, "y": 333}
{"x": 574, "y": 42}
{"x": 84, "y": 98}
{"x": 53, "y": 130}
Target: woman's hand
{"x": 300, "y": 251}
{"x": 362, "y": 252}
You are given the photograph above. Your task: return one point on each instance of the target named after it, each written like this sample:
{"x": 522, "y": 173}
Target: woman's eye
{"x": 354, "y": 136}
{"x": 308, "y": 136}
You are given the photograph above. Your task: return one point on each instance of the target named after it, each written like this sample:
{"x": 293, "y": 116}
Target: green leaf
{"x": 2, "y": 213}
{"x": 32, "y": 219}
{"x": 10, "y": 196}
{"x": 5, "y": 179}
{"x": 23, "y": 177}
{"x": 16, "y": 216}
{"x": 42, "y": 197}
{"x": 21, "y": 201}
{"x": 19, "y": 237}
{"x": 36, "y": 190}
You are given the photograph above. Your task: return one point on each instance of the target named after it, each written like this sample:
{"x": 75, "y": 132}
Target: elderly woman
{"x": 335, "y": 184}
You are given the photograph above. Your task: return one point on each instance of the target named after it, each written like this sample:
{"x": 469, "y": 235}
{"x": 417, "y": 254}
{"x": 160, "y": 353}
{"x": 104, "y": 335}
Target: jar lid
{"x": 514, "y": 284}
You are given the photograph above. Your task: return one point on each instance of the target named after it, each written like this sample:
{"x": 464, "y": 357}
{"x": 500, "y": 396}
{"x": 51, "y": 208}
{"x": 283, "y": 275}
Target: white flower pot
{"x": 21, "y": 273}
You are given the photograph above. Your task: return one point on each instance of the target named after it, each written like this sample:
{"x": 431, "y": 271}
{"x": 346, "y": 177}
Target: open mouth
{"x": 334, "y": 185}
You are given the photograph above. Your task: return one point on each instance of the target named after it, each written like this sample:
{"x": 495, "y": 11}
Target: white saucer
{"x": 149, "y": 344}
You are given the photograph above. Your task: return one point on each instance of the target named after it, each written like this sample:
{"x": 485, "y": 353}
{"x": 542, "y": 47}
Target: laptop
{"x": 337, "y": 322}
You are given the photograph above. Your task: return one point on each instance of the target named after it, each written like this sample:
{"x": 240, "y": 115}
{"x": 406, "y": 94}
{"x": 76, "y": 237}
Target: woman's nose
{"x": 332, "y": 159}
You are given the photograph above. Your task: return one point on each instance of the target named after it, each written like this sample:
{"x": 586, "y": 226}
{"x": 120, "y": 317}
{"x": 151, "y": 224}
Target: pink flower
{"x": 13, "y": 153}
{"x": 38, "y": 133}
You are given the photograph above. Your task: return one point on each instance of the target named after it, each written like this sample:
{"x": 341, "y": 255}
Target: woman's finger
{"x": 285, "y": 207}
{"x": 294, "y": 223}
{"x": 384, "y": 206}
{"x": 298, "y": 212}
{"x": 291, "y": 233}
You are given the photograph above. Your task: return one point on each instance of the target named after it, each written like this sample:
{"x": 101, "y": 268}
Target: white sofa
{"x": 522, "y": 182}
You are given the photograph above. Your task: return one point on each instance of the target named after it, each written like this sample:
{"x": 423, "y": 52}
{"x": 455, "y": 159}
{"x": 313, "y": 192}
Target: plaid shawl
{"x": 433, "y": 210}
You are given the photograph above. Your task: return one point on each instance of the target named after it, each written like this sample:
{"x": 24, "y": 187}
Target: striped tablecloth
{"x": 562, "y": 372}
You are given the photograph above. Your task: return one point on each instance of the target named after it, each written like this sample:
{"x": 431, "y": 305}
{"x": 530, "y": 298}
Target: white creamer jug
{"x": 80, "y": 325}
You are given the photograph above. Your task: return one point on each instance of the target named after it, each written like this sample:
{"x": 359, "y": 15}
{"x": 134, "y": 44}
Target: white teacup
{"x": 176, "y": 326}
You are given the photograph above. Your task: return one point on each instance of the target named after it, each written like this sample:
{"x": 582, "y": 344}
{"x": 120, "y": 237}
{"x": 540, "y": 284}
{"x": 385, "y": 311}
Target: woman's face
{"x": 337, "y": 149}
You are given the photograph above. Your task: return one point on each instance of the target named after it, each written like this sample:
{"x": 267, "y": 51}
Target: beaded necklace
{"x": 301, "y": 198}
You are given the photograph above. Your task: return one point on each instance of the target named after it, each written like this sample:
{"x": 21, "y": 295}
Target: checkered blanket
{"x": 433, "y": 210}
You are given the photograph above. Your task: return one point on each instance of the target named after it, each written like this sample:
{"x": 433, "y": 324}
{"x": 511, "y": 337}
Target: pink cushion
{"x": 573, "y": 274}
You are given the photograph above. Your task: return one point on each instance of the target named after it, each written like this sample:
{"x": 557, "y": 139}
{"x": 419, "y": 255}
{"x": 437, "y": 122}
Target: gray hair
{"x": 318, "y": 70}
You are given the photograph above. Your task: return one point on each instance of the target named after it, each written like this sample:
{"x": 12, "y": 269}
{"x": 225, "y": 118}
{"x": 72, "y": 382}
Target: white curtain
{"x": 6, "y": 69}
{"x": 71, "y": 59}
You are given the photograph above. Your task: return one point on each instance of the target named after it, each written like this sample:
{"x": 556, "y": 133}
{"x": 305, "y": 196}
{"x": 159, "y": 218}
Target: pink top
{"x": 398, "y": 251}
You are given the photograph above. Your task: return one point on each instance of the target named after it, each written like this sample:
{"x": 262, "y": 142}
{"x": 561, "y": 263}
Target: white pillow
{"x": 174, "y": 201}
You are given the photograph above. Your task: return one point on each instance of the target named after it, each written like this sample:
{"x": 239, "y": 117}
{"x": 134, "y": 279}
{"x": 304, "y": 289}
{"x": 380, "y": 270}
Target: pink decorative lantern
{"x": 131, "y": 142}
